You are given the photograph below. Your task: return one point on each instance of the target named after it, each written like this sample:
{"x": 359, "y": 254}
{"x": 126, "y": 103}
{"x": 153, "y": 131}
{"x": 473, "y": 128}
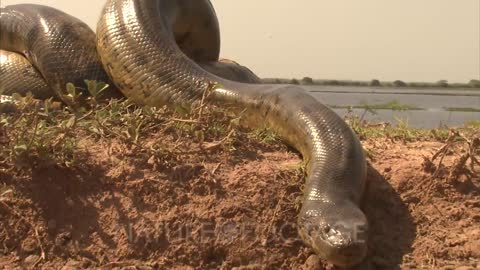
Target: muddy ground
{"x": 226, "y": 204}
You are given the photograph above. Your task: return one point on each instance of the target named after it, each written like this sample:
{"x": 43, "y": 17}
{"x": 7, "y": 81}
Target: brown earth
{"x": 227, "y": 206}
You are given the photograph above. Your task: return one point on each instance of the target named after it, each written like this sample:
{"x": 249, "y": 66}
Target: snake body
{"x": 159, "y": 52}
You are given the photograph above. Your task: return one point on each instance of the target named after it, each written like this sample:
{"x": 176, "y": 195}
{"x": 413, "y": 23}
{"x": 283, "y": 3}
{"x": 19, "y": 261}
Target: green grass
{"x": 401, "y": 131}
{"x": 38, "y": 133}
{"x": 462, "y": 109}
{"x": 392, "y": 105}
{"x": 264, "y": 135}
{"x": 473, "y": 124}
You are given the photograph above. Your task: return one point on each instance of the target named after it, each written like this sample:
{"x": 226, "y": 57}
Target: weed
{"x": 265, "y": 135}
{"x": 469, "y": 147}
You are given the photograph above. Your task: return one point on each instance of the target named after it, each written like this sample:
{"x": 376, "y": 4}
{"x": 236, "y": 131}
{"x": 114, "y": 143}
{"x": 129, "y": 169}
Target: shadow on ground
{"x": 392, "y": 230}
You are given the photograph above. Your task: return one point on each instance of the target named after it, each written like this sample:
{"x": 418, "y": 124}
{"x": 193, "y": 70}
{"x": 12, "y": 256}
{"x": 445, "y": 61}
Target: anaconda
{"x": 163, "y": 52}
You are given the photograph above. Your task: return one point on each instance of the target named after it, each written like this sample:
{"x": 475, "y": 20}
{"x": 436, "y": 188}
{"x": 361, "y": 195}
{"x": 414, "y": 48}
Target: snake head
{"x": 337, "y": 232}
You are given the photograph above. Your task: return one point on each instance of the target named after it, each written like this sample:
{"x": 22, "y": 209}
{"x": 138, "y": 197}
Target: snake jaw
{"x": 338, "y": 242}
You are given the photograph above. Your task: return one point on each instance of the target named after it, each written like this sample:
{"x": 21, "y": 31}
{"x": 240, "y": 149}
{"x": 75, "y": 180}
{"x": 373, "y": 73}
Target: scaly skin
{"x": 17, "y": 75}
{"x": 149, "y": 48}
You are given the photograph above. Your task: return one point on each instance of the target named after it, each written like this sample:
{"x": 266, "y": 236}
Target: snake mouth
{"x": 337, "y": 245}
{"x": 340, "y": 248}
{"x": 342, "y": 243}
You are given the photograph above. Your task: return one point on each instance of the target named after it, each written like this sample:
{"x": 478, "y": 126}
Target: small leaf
{"x": 101, "y": 87}
{"x": 91, "y": 87}
{"x": 181, "y": 110}
{"x": 71, "y": 90}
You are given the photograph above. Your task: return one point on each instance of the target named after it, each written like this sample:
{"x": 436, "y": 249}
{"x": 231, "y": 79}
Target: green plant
{"x": 473, "y": 124}
{"x": 264, "y": 135}
{"x": 462, "y": 109}
{"x": 393, "y": 105}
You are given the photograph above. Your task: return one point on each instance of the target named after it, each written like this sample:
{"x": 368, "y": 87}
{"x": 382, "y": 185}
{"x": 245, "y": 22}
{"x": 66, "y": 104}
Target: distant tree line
{"x": 374, "y": 83}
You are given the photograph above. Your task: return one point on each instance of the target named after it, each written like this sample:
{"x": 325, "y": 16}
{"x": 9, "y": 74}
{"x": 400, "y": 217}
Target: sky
{"x": 410, "y": 40}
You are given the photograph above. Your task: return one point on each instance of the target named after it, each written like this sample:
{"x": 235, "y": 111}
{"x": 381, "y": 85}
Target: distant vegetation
{"x": 462, "y": 109}
{"x": 392, "y": 105}
{"x": 375, "y": 83}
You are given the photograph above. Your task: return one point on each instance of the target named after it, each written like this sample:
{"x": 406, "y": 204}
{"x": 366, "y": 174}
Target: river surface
{"x": 432, "y": 104}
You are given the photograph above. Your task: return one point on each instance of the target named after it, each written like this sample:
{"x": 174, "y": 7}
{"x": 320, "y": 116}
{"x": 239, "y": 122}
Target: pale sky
{"x": 411, "y": 40}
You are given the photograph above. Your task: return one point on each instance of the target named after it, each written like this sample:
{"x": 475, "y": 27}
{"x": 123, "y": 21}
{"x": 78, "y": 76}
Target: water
{"x": 422, "y": 119}
{"x": 433, "y": 102}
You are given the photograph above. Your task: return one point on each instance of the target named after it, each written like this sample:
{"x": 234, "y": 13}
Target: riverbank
{"x": 120, "y": 186}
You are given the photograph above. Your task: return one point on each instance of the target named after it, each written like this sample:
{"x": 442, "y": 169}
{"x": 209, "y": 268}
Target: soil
{"x": 228, "y": 207}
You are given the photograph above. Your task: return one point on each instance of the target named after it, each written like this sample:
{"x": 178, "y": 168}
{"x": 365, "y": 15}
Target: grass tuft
{"x": 43, "y": 133}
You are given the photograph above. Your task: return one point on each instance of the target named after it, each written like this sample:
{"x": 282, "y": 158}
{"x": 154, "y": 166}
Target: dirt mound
{"x": 177, "y": 199}
{"x": 421, "y": 218}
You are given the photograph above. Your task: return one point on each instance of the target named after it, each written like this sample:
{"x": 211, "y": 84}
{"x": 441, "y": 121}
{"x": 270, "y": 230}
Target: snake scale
{"x": 165, "y": 52}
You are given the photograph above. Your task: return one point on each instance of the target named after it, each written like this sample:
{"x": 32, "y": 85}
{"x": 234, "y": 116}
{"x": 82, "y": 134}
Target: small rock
{"x": 312, "y": 263}
{"x": 31, "y": 260}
